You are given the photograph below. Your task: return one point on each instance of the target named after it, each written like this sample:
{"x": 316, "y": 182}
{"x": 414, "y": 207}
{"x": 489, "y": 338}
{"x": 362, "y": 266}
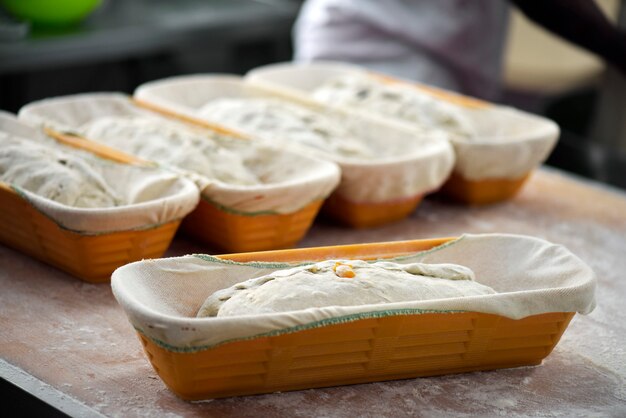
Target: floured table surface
{"x": 70, "y": 342}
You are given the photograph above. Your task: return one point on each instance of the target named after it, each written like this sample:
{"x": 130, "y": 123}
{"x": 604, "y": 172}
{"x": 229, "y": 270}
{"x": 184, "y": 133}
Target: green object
{"x": 51, "y": 12}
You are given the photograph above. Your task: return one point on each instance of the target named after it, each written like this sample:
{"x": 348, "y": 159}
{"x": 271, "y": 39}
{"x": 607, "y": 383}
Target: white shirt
{"x": 454, "y": 44}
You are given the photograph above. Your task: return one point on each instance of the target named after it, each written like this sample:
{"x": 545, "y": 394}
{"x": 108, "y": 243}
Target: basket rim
{"x": 580, "y": 285}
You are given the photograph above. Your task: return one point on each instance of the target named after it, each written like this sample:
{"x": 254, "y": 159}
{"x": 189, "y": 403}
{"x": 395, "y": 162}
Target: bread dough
{"x": 401, "y": 102}
{"x": 282, "y": 121}
{"x": 343, "y": 283}
{"x": 53, "y": 174}
{"x": 174, "y": 145}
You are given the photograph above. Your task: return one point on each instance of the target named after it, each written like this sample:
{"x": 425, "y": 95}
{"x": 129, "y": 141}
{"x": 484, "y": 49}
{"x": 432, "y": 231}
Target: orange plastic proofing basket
{"x": 365, "y": 350}
{"x": 238, "y": 232}
{"x": 89, "y": 257}
{"x": 472, "y": 192}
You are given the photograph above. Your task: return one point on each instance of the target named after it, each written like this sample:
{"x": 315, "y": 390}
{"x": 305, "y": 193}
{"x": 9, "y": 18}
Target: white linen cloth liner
{"x": 411, "y": 162}
{"x": 154, "y": 196}
{"x": 509, "y": 143}
{"x": 311, "y": 178}
{"x": 532, "y": 276}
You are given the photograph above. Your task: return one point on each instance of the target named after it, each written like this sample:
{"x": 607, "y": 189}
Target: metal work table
{"x": 69, "y": 343}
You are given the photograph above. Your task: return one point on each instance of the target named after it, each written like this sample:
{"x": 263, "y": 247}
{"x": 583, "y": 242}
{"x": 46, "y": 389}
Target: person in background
{"x": 453, "y": 44}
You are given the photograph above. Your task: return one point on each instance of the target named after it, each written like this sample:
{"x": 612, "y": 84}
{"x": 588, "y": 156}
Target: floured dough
{"x": 343, "y": 283}
{"x": 174, "y": 145}
{"x": 53, "y": 174}
{"x": 279, "y": 120}
{"x": 397, "y": 101}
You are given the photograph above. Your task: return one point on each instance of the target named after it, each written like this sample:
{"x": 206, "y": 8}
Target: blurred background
{"x": 115, "y": 45}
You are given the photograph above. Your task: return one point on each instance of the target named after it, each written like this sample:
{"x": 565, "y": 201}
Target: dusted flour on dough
{"x": 53, "y": 174}
{"x": 174, "y": 145}
{"x": 397, "y": 101}
{"x": 343, "y": 283}
{"x": 279, "y": 120}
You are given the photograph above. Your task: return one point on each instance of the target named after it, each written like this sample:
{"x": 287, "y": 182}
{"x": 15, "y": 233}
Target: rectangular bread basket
{"x": 368, "y": 346}
{"x": 90, "y": 257}
{"x": 91, "y": 243}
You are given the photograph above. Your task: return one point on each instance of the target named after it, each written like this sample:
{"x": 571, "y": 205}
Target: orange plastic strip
{"x": 96, "y": 148}
{"x": 369, "y": 251}
{"x": 189, "y": 119}
{"x": 448, "y": 96}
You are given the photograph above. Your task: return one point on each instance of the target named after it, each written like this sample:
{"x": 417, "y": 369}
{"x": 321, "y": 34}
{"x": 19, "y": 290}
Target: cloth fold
{"x": 530, "y": 276}
{"x": 148, "y": 196}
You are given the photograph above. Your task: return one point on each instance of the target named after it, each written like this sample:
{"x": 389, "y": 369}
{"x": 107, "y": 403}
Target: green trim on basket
{"x": 257, "y": 264}
{"x": 251, "y": 214}
{"x": 304, "y": 327}
{"x": 23, "y": 195}
{"x": 431, "y": 250}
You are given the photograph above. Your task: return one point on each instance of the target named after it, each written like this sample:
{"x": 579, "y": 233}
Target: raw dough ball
{"x": 167, "y": 143}
{"x": 281, "y": 121}
{"x": 398, "y": 101}
{"x": 53, "y": 174}
{"x": 343, "y": 283}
